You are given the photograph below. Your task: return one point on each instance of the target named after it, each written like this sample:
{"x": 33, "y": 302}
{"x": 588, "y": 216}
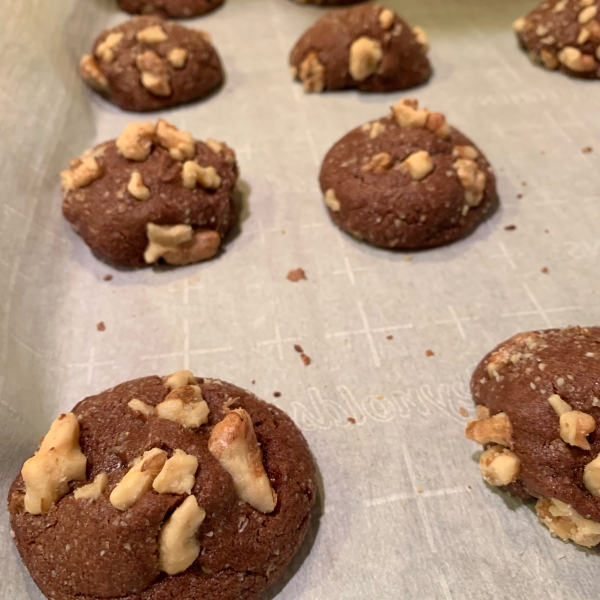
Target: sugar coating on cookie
{"x": 148, "y": 63}
{"x": 152, "y": 194}
{"x": 538, "y": 409}
{"x": 367, "y": 47}
{"x": 564, "y": 35}
{"x": 407, "y": 181}
{"x": 175, "y": 9}
{"x": 123, "y": 499}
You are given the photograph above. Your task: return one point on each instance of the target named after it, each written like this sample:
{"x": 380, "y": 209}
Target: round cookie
{"x": 152, "y": 194}
{"x": 164, "y": 488}
{"x": 538, "y": 414}
{"x": 175, "y": 9}
{"x": 407, "y": 181}
{"x": 365, "y": 47}
{"x": 564, "y": 35}
{"x": 148, "y": 63}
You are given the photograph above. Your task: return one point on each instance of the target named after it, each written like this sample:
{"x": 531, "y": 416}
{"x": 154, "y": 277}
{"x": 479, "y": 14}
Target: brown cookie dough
{"x": 366, "y": 47}
{"x": 153, "y": 193}
{"x": 164, "y": 488}
{"x": 175, "y": 9}
{"x": 563, "y": 34}
{"x": 538, "y": 405}
{"x": 407, "y": 181}
{"x": 148, "y": 63}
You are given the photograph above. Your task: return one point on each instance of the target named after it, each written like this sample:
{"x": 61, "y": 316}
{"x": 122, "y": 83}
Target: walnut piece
{"x": 106, "y": 50}
{"x": 152, "y": 35}
{"x": 379, "y": 163}
{"x": 154, "y": 75}
{"x": 177, "y": 57}
{"x": 421, "y": 38}
{"x": 137, "y": 188}
{"x": 180, "y": 244}
{"x": 58, "y": 461}
{"x": 499, "y": 465}
{"x": 575, "y": 426}
{"x": 331, "y": 201}
{"x": 573, "y": 59}
{"x": 193, "y": 173}
{"x": 591, "y": 477}
{"x": 548, "y": 59}
{"x": 482, "y": 412}
{"x": 366, "y": 55}
{"x": 178, "y": 474}
{"x": 587, "y": 14}
{"x": 92, "y": 491}
{"x": 178, "y": 545}
{"x": 233, "y": 443}
{"x": 164, "y": 238}
{"x": 386, "y": 19}
{"x": 180, "y": 379}
{"x": 496, "y": 429}
{"x": 184, "y": 406}
{"x": 564, "y": 521}
{"x": 90, "y": 71}
{"x": 465, "y": 152}
{"x": 180, "y": 144}
{"x": 407, "y": 114}
{"x": 472, "y": 180}
{"x": 559, "y": 405}
{"x": 418, "y": 164}
{"x": 138, "y": 480}
{"x": 81, "y": 173}
{"x": 223, "y": 149}
{"x": 519, "y": 25}
{"x": 312, "y": 74}
{"x": 137, "y": 405}
{"x": 135, "y": 143}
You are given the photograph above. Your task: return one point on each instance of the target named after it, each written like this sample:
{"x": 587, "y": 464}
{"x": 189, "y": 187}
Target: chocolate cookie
{"x": 176, "y": 9}
{"x": 563, "y": 34}
{"x": 407, "y": 181}
{"x": 538, "y": 405}
{"x": 366, "y": 47}
{"x": 153, "y": 193}
{"x": 164, "y": 488}
{"x": 148, "y": 63}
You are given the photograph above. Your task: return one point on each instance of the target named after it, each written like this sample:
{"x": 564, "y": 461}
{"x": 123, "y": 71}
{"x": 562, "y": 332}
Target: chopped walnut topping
{"x": 58, "y": 461}
{"x": 180, "y": 144}
{"x": 135, "y": 143}
{"x": 180, "y": 244}
{"x": 207, "y": 177}
{"x": 407, "y": 114}
{"x": 178, "y": 545}
{"x": 573, "y": 59}
{"x": 223, "y": 149}
{"x": 386, "y": 19}
{"x": 177, "y": 57}
{"x": 376, "y": 129}
{"x": 520, "y": 25}
{"x": 366, "y": 55}
{"x": 472, "y": 180}
{"x": 591, "y": 477}
{"x": 482, "y": 412}
{"x": 331, "y": 201}
{"x": 419, "y": 165}
{"x": 436, "y": 123}
{"x": 138, "y": 480}
{"x": 152, "y": 35}
{"x": 81, "y": 174}
{"x": 564, "y": 521}
{"x": 154, "y": 75}
{"x": 548, "y": 59}
{"x": 379, "y": 163}
{"x": 587, "y": 14}
{"x": 184, "y": 405}
{"x": 138, "y": 406}
{"x": 496, "y": 429}
{"x": 499, "y": 465}
{"x": 162, "y": 238}
{"x": 90, "y": 71}
{"x": 92, "y": 491}
{"x": 233, "y": 443}
{"x": 575, "y": 426}
{"x": 137, "y": 188}
{"x": 465, "y": 152}
{"x": 180, "y": 379}
{"x": 312, "y": 74}
{"x": 106, "y": 50}
{"x": 421, "y": 38}
{"x": 559, "y": 405}
{"x": 560, "y": 6}
{"x": 178, "y": 474}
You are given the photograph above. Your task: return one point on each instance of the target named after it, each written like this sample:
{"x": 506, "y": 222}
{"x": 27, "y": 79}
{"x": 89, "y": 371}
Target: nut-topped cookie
{"x": 367, "y": 47}
{"x": 407, "y": 181}
{"x": 538, "y": 408}
{"x": 564, "y": 35}
{"x": 163, "y": 488}
{"x": 152, "y": 194}
{"x": 148, "y": 63}
{"x": 175, "y": 9}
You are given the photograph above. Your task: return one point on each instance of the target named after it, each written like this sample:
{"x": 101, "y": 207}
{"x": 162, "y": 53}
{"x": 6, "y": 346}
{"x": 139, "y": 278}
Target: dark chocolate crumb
{"x": 305, "y": 359}
{"x": 108, "y": 277}
{"x": 298, "y": 348}
{"x": 296, "y": 274}
{"x": 429, "y": 353}
{"x": 587, "y": 149}
{"x": 276, "y": 394}
{"x": 519, "y": 196}
{"x": 544, "y": 269}
{"x": 254, "y": 382}
{"x": 352, "y": 420}
{"x": 389, "y": 337}
{"x": 101, "y": 326}
{"x": 510, "y": 227}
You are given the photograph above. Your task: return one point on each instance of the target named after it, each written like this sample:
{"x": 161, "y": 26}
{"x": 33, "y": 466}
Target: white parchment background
{"x": 237, "y": 317}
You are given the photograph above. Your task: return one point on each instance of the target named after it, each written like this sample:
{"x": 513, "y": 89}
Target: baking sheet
{"x": 403, "y": 513}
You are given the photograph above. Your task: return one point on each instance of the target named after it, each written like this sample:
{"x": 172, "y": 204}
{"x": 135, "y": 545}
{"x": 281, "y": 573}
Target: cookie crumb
{"x": 543, "y": 152}
{"x": 352, "y": 420}
{"x": 587, "y": 150}
{"x": 463, "y": 411}
{"x": 523, "y": 183}
{"x": 305, "y": 359}
{"x": 254, "y": 382}
{"x": 419, "y": 490}
{"x": 469, "y": 487}
{"x": 544, "y": 269}
{"x": 429, "y": 353}
{"x": 296, "y": 274}
{"x": 407, "y": 258}
{"x": 380, "y": 397}
{"x": 298, "y": 348}
{"x": 101, "y": 326}
{"x": 389, "y": 337}
{"x": 546, "y": 231}
{"x": 108, "y": 277}
{"x": 510, "y": 227}
{"x": 277, "y": 394}
{"x": 519, "y": 196}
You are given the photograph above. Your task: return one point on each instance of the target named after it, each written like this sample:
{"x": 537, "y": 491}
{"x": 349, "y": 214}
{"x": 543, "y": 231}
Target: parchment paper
{"x": 403, "y": 511}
